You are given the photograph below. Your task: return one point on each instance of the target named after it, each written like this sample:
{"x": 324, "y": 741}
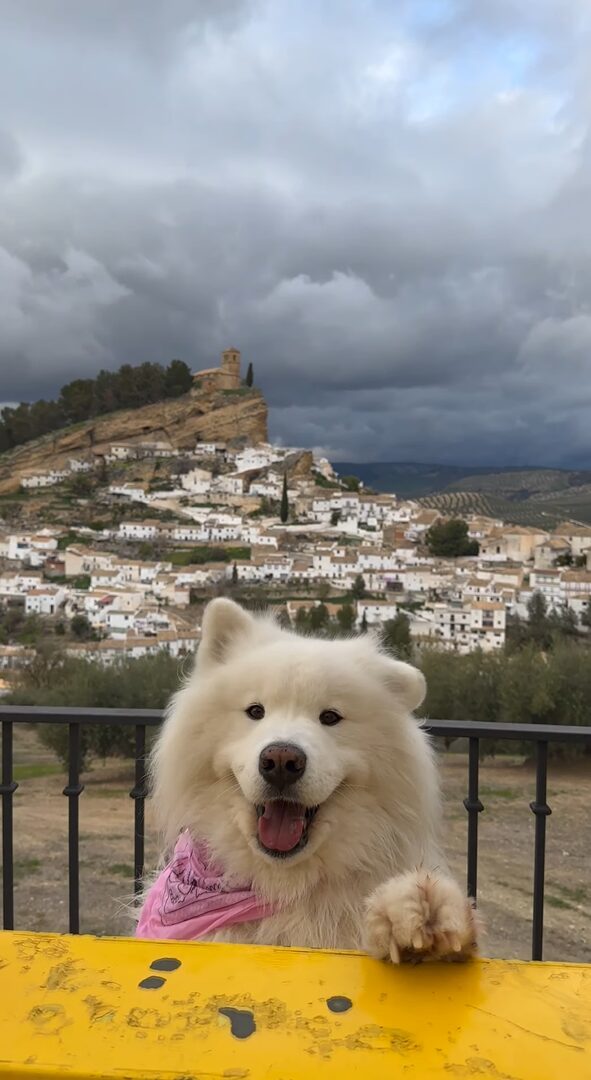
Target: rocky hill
{"x": 236, "y": 417}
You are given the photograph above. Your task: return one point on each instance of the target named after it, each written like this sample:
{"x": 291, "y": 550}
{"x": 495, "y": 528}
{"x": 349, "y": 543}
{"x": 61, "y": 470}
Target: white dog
{"x": 302, "y": 798}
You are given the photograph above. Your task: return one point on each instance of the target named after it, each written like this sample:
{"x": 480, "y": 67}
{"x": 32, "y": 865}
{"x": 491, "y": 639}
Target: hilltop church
{"x": 224, "y": 377}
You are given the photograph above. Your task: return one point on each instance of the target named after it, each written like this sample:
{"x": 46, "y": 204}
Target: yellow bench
{"x": 82, "y": 1007}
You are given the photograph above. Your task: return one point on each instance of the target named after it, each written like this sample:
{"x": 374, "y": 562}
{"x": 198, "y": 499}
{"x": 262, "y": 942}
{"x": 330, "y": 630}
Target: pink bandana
{"x": 190, "y": 898}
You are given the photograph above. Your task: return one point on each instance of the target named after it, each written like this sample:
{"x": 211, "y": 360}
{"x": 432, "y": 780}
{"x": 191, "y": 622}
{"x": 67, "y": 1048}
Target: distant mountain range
{"x": 521, "y": 495}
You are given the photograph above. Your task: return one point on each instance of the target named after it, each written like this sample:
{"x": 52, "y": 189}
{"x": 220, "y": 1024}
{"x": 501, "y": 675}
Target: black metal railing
{"x": 539, "y": 735}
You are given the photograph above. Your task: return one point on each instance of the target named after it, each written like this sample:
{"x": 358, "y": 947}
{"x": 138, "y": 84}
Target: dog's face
{"x": 283, "y": 747}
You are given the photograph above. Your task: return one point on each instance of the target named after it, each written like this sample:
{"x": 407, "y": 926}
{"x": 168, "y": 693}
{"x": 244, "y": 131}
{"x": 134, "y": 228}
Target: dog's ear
{"x": 223, "y": 623}
{"x": 405, "y": 682}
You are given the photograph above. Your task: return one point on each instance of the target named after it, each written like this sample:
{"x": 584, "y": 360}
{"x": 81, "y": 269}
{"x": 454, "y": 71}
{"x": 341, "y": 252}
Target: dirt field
{"x": 505, "y": 849}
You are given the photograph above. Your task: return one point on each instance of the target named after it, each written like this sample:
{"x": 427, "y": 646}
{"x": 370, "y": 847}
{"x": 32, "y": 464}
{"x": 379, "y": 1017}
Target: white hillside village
{"x": 137, "y": 585}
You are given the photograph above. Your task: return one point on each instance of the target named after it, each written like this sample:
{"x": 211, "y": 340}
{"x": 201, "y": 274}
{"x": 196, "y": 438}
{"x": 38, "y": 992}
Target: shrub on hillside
{"x": 146, "y": 683}
{"x": 449, "y": 539}
{"x": 525, "y": 687}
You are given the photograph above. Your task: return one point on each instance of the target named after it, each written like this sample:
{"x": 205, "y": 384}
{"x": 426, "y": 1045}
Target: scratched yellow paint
{"x": 73, "y": 1007}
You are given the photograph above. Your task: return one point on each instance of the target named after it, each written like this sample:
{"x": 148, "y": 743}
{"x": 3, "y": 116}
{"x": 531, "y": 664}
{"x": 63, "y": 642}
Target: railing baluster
{"x": 7, "y": 790}
{"x": 474, "y": 807}
{"x": 138, "y": 794}
{"x": 541, "y": 810}
{"x": 74, "y": 790}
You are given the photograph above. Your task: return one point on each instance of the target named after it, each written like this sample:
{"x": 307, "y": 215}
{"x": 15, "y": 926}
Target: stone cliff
{"x": 236, "y": 417}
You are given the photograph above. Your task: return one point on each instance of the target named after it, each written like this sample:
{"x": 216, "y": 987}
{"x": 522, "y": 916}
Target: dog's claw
{"x": 456, "y": 944}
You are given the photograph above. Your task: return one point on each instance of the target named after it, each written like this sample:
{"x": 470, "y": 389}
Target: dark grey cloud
{"x": 384, "y": 205}
{"x": 149, "y": 29}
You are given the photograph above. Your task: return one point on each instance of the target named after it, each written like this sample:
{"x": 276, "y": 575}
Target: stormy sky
{"x": 385, "y": 205}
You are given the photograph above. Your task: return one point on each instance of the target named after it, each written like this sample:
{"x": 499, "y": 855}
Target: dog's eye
{"x": 256, "y": 712}
{"x": 330, "y": 717}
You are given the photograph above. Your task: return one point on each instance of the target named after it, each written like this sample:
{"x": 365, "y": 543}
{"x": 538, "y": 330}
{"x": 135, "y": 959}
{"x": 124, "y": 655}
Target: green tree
{"x": 249, "y": 375}
{"x": 527, "y": 686}
{"x": 53, "y": 679}
{"x": 564, "y": 560}
{"x": 81, "y": 486}
{"x": 17, "y": 423}
{"x": 45, "y": 416}
{"x": 284, "y": 508}
{"x": 80, "y": 627}
{"x": 82, "y": 581}
{"x": 539, "y": 626}
{"x": 564, "y": 623}
{"x": 396, "y": 635}
{"x": 449, "y": 539}
{"x": 105, "y": 396}
{"x": 516, "y": 634}
{"x": 103, "y": 470}
{"x": 318, "y": 618}
{"x": 358, "y": 589}
{"x": 346, "y": 618}
{"x": 351, "y": 483}
{"x": 363, "y": 623}
{"x": 44, "y": 667}
{"x": 11, "y": 620}
{"x": 283, "y": 618}
{"x": 75, "y": 400}
{"x": 335, "y": 517}
{"x": 235, "y": 577}
{"x": 178, "y": 379}
{"x": 543, "y": 628}
{"x": 31, "y": 631}
{"x": 152, "y": 380}
{"x": 302, "y": 621}
{"x": 128, "y": 391}
{"x": 462, "y": 687}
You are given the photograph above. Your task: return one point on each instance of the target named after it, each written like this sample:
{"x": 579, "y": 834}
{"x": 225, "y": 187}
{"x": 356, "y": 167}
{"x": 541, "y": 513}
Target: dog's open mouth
{"x": 283, "y": 826}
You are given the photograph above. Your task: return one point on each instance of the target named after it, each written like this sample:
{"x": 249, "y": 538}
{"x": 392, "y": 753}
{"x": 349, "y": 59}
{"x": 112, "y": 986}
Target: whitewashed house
{"x": 43, "y": 601}
{"x": 228, "y": 484}
{"x": 549, "y": 584}
{"x": 376, "y": 611}
{"x": 139, "y": 530}
{"x": 128, "y": 491}
{"x": 196, "y": 482}
{"x": 44, "y": 479}
{"x": 255, "y": 457}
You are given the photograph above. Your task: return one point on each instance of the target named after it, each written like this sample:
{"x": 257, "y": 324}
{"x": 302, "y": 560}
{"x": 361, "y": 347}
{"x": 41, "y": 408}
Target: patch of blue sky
{"x": 480, "y": 67}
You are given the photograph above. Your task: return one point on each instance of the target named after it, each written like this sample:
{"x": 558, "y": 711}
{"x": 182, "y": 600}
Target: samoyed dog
{"x": 299, "y": 800}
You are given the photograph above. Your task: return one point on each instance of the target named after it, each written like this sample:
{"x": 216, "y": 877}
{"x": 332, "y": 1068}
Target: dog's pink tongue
{"x": 281, "y": 825}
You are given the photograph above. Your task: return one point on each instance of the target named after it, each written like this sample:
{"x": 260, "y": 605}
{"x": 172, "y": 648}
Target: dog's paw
{"x": 420, "y": 915}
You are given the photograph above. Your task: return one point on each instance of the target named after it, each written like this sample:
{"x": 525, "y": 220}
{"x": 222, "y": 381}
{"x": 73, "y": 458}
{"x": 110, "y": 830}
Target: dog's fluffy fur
{"x": 371, "y": 874}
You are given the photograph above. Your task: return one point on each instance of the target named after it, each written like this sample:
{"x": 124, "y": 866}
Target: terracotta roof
{"x": 570, "y": 528}
{"x": 555, "y": 543}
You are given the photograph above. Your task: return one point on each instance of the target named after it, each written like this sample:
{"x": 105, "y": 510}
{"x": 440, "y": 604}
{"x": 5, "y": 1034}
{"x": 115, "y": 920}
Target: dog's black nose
{"x": 281, "y": 764}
